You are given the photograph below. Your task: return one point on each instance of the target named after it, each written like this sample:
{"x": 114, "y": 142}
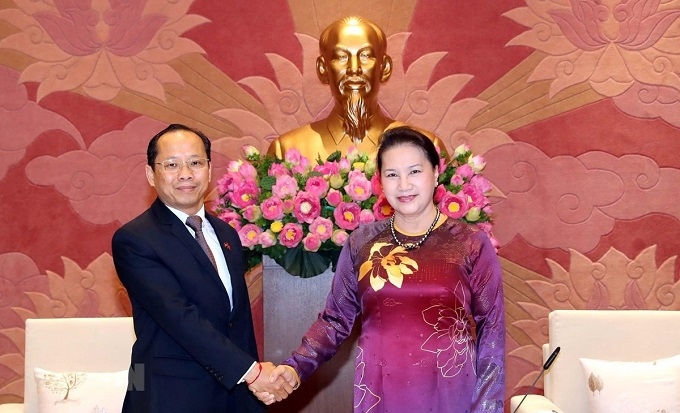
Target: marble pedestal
{"x": 291, "y": 304}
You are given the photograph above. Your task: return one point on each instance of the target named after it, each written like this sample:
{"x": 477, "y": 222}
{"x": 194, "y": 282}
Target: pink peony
{"x": 453, "y": 206}
{"x": 347, "y": 215}
{"x": 267, "y": 239}
{"x": 292, "y": 156}
{"x": 382, "y": 209}
{"x": 291, "y": 235}
{"x": 339, "y": 237}
{"x": 301, "y": 168}
{"x": 317, "y": 186}
{"x": 439, "y": 193}
{"x": 477, "y": 163}
{"x": 328, "y": 168}
{"x": 229, "y": 182}
{"x": 474, "y": 195}
{"x": 249, "y": 235}
{"x": 366, "y": 216}
{"x": 231, "y": 217}
{"x": 322, "y": 228}
{"x": 246, "y": 194}
{"x": 311, "y": 242}
{"x": 376, "y": 185}
{"x": 457, "y": 180}
{"x": 461, "y": 150}
{"x": 358, "y": 188}
{"x": 344, "y": 165}
{"x": 481, "y": 183}
{"x": 278, "y": 169}
{"x": 249, "y": 151}
{"x": 334, "y": 197}
{"x": 285, "y": 187}
{"x": 307, "y": 207}
{"x": 248, "y": 171}
{"x": 465, "y": 171}
{"x": 288, "y": 206}
{"x": 272, "y": 208}
{"x": 252, "y": 213}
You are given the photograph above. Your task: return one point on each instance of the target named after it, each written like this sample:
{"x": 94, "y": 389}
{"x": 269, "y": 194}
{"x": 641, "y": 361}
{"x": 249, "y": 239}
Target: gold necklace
{"x": 413, "y": 245}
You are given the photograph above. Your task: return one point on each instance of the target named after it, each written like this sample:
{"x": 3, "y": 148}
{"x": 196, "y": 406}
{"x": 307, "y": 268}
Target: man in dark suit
{"x": 195, "y": 348}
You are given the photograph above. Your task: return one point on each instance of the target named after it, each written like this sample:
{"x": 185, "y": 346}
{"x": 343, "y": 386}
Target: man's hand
{"x": 268, "y": 390}
{"x": 282, "y": 375}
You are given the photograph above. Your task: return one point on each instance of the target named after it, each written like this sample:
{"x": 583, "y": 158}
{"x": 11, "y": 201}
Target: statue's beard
{"x": 356, "y": 119}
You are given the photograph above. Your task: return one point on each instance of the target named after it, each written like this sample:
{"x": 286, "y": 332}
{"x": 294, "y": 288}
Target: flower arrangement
{"x": 301, "y": 214}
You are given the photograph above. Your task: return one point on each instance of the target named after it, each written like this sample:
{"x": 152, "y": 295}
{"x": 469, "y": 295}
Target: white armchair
{"x": 614, "y": 335}
{"x": 73, "y": 344}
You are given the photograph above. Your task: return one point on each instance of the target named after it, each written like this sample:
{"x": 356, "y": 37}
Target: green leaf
{"x": 305, "y": 264}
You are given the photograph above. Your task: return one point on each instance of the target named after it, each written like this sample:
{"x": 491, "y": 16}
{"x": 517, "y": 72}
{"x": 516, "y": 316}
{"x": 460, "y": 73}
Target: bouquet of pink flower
{"x": 300, "y": 214}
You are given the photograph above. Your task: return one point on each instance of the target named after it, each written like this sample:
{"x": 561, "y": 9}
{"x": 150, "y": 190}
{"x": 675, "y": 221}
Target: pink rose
{"x": 272, "y": 208}
{"x": 382, "y": 208}
{"x": 339, "y": 237}
{"x": 311, "y": 242}
{"x": 322, "y": 228}
{"x": 453, "y": 206}
{"x": 317, "y": 186}
{"x": 285, "y": 187}
{"x": 334, "y": 197}
{"x": 290, "y": 235}
{"x": 347, "y": 215}
{"x": 249, "y": 235}
{"x": 307, "y": 207}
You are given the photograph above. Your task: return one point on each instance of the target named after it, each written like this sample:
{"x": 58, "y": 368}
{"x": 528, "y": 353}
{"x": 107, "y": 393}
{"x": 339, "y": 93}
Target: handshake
{"x": 272, "y": 383}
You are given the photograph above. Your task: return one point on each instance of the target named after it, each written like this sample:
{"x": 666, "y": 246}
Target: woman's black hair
{"x": 404, "y": 135}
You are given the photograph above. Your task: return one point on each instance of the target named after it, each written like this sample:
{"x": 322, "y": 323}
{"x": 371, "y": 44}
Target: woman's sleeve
{"x": 334, "y": 323}
{"x": 488, "y": 311}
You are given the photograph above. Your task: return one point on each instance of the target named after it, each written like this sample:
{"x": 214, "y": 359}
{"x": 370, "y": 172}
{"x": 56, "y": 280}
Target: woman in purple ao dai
{"x": 428, "y": 293}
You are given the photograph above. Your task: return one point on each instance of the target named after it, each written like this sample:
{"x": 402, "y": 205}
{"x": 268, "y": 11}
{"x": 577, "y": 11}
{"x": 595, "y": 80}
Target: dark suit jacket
{"x": 191, "y": 349}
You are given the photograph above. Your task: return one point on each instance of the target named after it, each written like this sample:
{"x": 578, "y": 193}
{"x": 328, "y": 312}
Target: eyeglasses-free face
{"x": 173, "y": 165}
{"x": 179, "y": 187}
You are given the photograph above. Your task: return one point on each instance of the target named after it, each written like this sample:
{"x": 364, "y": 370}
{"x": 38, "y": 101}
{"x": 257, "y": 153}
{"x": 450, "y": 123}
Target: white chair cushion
{"x": 632, "y": 387}
{"x": 80, "y": 392}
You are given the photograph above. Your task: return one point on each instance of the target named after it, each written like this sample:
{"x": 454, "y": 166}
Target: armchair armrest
{"x": 534, "y": 403}
{"x": 12, "y": 408}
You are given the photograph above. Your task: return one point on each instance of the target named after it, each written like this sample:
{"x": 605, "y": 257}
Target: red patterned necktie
{"x": 194, "y": 222}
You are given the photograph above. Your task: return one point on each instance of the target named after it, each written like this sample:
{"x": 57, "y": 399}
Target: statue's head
{"x": 353, "y": 58}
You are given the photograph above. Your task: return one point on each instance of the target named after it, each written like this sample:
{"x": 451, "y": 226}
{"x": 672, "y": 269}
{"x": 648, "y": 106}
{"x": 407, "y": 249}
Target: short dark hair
{"x": 404, "y": 135}
{"x": 152, "y": 149}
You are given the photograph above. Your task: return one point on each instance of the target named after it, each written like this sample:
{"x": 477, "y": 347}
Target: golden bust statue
{"x": 353, "y": 60}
